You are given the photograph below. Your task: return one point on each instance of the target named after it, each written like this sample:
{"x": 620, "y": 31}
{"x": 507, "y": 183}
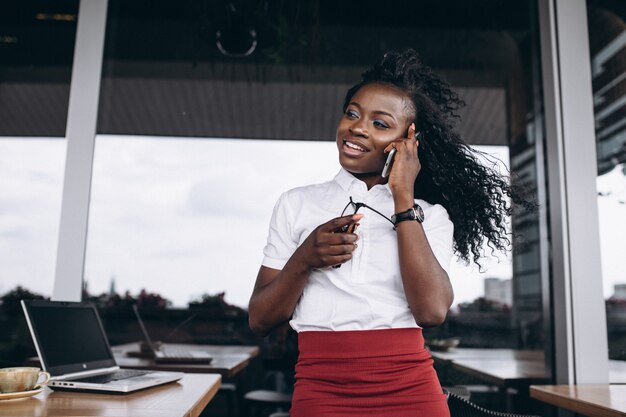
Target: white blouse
{"x": 365, "y": 293}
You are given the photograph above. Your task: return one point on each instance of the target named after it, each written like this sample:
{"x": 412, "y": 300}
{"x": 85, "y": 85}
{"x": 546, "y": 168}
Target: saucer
{"x": 21, "y": 394}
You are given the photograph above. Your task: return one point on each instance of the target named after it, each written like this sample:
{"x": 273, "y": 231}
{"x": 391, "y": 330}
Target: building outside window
{"x": 607, "y": 41}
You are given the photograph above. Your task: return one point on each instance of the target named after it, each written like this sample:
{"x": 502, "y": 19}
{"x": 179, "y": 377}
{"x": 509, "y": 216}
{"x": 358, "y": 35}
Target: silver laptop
{"x": 73, "y": 347}
{"x": 166, "y": 354}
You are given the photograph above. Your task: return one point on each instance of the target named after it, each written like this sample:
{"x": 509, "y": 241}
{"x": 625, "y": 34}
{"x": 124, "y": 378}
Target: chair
{"x": 275, "y": 397}
{"x": 259, "y": 400}
{"x": 279, "y": 354}
{"x": 460, "y": 407}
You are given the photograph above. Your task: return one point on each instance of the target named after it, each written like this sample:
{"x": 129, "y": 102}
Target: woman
{"x": 359, "y": 298}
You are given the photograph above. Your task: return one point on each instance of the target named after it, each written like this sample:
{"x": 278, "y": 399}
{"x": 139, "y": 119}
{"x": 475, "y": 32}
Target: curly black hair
{"x": 477, "y": 197}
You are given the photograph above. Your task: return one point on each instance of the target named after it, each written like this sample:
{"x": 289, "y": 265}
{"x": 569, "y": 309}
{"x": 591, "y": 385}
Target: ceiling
{"x": 164, "y": 74}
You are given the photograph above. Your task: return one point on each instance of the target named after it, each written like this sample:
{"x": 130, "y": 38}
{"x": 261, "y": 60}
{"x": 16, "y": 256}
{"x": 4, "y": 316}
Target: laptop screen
{"x": 142, "y": 326}
{"x": 69, "y": 336}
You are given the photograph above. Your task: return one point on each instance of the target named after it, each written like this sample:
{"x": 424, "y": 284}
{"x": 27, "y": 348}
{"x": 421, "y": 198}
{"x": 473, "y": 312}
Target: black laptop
{"x": 73, "y": 347}
{"x": 168, "y": 354}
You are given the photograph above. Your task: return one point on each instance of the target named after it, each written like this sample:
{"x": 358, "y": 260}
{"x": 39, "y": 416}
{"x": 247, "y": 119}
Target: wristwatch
{"x": 414, "y": 213}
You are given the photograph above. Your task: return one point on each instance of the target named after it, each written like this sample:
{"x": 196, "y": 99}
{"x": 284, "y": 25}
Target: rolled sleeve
{"x": 280, "y": 243}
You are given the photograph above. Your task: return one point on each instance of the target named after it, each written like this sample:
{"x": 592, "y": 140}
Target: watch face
{"x": 419, "y": 213}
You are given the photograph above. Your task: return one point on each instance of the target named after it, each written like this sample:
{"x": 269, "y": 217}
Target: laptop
{"x": 74, "y": 349}
{"x": 165, "y": 354}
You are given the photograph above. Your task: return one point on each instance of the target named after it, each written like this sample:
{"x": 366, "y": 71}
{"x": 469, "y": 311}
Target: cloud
{"x": 186, "y": 216}
{"x": 195, "y": 212}
{"x": 30, "y": 205}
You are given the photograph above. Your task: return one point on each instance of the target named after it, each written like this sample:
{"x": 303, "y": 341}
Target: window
{"x": 208, "y": 106}
{"x": 184, "y": 217}
{"x": 30, "y": 208}
{"x": 36, "y": 51}
{"x": 493, "y": 281}
{"x": 607, "y": 34}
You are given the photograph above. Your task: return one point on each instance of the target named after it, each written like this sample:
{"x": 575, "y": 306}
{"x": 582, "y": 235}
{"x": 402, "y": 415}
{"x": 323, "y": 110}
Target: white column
{"x": 580, "y": 335}
{"x": 81, "y": 132}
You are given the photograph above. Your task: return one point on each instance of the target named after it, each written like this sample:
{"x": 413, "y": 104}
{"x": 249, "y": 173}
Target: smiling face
{"x": 377, "y": 114}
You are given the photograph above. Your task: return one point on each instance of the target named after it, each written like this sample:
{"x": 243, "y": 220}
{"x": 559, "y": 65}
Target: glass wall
{"x": 36, "y": 50}
{"x": 185, "y": 217}
{"x": 259, "y": 86}
{"x": 607, "y": 39}
{"x": 30, "y": 207}
{"x": 254, "y": 83}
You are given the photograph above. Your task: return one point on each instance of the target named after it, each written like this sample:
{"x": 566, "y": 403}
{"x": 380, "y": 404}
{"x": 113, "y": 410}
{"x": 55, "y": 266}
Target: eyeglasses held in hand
{"x": 351, "y": 228}
{"x": 356, "y": 206}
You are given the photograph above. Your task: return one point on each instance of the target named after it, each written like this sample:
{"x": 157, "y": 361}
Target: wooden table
{"x": 484, "y": 353}
{"x": 501, "y": 367}
{"x": 185, "y": 398}
{"x": 510, "y": 366}
{"x": 504, "y": 373}
{"x": 227, "y": 360}
{"x": 600, "y": 400}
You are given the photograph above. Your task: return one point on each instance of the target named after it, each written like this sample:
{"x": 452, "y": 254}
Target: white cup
{"x": 21, "y": 379}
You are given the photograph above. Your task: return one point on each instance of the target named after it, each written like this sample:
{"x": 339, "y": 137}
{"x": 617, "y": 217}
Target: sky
{"x": 183, "y": 217}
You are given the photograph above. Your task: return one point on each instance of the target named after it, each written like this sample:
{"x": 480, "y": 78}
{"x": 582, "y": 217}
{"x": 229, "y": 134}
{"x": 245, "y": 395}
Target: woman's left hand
{"x": 406, "y": 164}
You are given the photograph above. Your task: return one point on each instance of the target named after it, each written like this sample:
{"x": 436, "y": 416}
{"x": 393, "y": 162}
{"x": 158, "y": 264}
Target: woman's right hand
{"x": 327, "y": 246}
{"x": 276, "y": 292}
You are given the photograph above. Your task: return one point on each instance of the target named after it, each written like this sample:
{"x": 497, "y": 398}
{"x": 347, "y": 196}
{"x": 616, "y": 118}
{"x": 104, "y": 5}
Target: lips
{"x": 353, "y": 148}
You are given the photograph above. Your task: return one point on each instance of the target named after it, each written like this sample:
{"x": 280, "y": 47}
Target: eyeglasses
{"x": 352, "y": 227}
{"x": 356, "y": 206}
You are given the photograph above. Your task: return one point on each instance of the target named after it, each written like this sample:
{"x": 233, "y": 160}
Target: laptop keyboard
{"x": 115, "y": 376}
{"x": 172, "y": 353}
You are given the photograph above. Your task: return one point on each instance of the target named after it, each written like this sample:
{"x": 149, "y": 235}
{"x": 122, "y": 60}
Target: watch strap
{"x": 414, "y": 213}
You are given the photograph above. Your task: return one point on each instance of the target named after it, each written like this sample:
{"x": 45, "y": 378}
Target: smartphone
{"x": 388, "y": 163}
{"x": 392, "y": 153}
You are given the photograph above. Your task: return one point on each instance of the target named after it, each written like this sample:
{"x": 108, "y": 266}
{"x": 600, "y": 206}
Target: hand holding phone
{"x": 388, "y": 163}
{"x": 392, "y": 153}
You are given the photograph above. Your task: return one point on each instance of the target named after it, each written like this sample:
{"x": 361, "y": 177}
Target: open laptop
{"x": 165, "y": 354}
{"x": 73, "y": 347}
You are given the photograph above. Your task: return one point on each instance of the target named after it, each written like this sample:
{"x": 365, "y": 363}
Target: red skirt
{"x": 366, "y": 373}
